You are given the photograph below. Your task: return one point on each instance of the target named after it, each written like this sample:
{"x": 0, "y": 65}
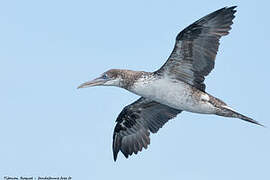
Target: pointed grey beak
{"x": 96, "y": 82}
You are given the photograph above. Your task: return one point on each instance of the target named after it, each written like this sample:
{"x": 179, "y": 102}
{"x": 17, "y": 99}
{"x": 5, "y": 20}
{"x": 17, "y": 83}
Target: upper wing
{"x": 131, "y": 132}
{"x": 194, "y": 53}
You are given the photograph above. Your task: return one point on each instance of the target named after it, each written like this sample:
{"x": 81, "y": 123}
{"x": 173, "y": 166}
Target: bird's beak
{"x": 96, "y": 82}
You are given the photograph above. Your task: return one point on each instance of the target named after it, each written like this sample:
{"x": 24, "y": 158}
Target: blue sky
{"x": 49, "y": 128}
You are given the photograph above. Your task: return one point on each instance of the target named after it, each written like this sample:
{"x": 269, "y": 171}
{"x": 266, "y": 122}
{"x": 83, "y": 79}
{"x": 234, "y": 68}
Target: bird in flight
{"x": 177, "y": 86}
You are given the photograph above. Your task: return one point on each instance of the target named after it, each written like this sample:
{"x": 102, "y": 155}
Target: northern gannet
{"x": 177, "y": 86}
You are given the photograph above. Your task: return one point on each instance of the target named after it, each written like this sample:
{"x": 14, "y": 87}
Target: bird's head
{"x": 112, "y": 77}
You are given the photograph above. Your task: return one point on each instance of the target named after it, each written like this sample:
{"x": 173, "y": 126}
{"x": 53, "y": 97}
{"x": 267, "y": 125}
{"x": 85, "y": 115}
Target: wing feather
{"x": 135, "y": 122}
{"x": 194, "y": 53}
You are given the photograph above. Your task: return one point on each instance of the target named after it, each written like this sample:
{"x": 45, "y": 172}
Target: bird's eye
{"x": 105, "y": 76}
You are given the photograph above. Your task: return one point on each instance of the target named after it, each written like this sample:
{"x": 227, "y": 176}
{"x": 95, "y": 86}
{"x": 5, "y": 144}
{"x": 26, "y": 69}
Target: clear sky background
{"x": 49, "y": 128}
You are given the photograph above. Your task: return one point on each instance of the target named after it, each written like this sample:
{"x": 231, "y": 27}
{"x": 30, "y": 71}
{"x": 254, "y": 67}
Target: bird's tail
{"x": 229, "y": 112}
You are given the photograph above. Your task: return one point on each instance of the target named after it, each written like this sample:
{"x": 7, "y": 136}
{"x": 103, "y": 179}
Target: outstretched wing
{"x": 131, "y": 132}
{"x": 194, "y": 53}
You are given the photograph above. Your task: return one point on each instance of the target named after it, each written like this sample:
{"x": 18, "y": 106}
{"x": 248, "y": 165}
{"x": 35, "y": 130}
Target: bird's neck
{"x": 130, "y": 77}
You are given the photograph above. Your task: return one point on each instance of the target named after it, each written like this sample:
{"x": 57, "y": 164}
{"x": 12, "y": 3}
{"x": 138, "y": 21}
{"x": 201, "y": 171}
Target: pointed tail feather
{"x": 245, "y": 118}
{"x": 228, "y": 112}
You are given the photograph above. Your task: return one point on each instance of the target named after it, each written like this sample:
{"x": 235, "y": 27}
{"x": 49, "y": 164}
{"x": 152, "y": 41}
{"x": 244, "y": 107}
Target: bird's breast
{"x": 173, "y": 93}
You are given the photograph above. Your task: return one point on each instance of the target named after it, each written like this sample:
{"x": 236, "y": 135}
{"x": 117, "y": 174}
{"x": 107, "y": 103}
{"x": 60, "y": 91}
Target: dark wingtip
{"x": 232, "y": 8}
{"x": 228, "y": 8}
{"x": 115, "y": 148}
{"x": 115, "y": 156}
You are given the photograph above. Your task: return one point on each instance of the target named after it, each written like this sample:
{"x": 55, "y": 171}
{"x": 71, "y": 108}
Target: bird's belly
{"x": 178, "y": 95}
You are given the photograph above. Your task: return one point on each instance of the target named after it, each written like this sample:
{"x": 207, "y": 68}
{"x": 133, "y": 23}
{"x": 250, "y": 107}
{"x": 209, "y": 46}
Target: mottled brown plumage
{"x": 127, "y": 77}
